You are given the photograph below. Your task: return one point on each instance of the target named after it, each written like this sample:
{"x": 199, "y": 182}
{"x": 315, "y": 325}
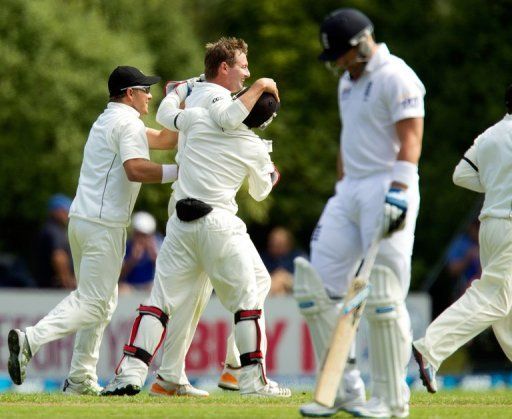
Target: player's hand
{"x": 268, "y": 85}
{"x": 395, "y": 210}
{"x": 183, "y": 88}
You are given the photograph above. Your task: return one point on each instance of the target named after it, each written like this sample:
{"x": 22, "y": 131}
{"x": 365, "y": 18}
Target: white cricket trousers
{"x": 487, "y": 302}
{"x": 218, "y": 245}
{"x": 349, "y": 223}
{"x": 98, "y": 253}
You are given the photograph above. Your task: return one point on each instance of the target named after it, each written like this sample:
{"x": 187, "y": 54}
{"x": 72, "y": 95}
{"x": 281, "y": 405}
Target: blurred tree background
{"x": 56, "y": 57}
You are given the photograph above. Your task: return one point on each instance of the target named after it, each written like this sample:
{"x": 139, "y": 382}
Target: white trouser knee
{"x": 321, "y": 315}
{"x": 389, "y": 337}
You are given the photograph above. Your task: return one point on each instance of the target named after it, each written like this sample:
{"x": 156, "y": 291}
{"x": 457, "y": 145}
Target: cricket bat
{"x": 353, "y": 305}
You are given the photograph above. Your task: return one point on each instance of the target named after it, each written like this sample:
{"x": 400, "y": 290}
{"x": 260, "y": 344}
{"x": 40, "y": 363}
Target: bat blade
{"x": 336, "y": 357}
{"x": 337, "y": 354}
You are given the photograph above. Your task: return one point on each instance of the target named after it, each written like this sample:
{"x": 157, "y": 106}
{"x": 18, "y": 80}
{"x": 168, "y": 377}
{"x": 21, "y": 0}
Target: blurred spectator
{"x": 14, "y": 272}
{"x": 54, "y": 266}
{"x": 142, "y": 248}
{"x": 278, "y": 258}
{"x": 463, "y": 261}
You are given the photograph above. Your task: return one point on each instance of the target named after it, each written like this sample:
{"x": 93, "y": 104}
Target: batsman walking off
{"x": 486, "y": 168}
{"x": 381, "y": 107}
{"x": 115, "y": 163}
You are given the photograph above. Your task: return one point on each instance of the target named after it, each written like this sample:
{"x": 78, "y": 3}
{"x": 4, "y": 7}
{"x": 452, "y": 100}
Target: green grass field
{"x": 445, "y": 404}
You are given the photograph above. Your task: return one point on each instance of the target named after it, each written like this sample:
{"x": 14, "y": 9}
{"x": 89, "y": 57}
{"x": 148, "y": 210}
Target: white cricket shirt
{"x": 387, "y": 92}
{"x": 104, "y": 194}
{"x": 489, "y": 169}
{"x": 215, "y": 162}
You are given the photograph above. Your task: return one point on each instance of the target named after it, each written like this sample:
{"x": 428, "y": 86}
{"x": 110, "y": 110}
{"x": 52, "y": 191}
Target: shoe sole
{"x": 423, "y": 374}
{"x": 316, "y": 415}
{"x": 129, "y": 390}
{"x": 228, "y": 387}
{"x": 13, "y": 365}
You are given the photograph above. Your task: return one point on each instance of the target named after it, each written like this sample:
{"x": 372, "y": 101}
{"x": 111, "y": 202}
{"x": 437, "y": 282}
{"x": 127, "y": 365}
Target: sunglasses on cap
{"x": 145, "y": 89}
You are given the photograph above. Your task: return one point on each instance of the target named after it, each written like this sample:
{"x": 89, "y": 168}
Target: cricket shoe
{"x": 270, "y": 391}
{"x": 166, "y": 388}
{"x": 230, "y": 376}
{"x": 87, "y": 387}
{"x": 427, "y": 371}
{"x": 19, "y": 355}
{"x": 123, "y": 386}
{"x": 350, "y": 403}
{"x": 377, "y": 408}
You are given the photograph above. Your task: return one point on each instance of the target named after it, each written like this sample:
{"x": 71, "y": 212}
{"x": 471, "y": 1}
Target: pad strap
{"x": 138, "y": 353}
{"x": 155, "y": 312}
{"x": 247, "y": 315}
{"x": 250, "y": 358}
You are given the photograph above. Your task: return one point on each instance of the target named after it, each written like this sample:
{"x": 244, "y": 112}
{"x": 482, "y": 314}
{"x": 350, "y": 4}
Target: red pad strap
{"x": 138, "y": 353}
{"x": 250, "y": 358}
{"x": 247, "y": 315}
{"x": 155, "y": 312}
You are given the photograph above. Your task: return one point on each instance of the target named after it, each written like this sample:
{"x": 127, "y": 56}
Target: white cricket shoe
{"x": 352, "y": 401}
{"x": 229, "y": 378}
{"x": 19, "y": 355}
{"x": 427, "y": 371}
{"x": 167, "y": 388}
{"x": 270, "y": 391}
{"x": 123, "y": 386}
{"x": 87, "y": 387}
{"x": 377, "y": 408}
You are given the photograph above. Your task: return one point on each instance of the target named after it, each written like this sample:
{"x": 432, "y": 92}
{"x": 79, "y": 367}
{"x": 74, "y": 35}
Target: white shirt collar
{"x": 124, "y": 107}
{"x": 379, "y": 58}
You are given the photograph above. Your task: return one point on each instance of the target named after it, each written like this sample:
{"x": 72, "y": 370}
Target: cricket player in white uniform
{"x": 486, "y": 168}
{"x": 381, "y": 108}
{"x": 116, "y": 162}
{"x": 226, "y": 69}
{"x": 205, "y": 236}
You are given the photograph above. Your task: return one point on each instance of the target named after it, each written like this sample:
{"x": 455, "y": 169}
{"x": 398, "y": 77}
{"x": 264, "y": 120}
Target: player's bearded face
{"x": 350, "y": 62}
{"x": 238, "y": 73}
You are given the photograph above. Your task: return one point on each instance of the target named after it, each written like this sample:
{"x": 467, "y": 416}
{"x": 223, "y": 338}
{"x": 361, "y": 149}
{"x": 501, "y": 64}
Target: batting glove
{"x": 183, "y": 88}
{"x": 395, "y": 210}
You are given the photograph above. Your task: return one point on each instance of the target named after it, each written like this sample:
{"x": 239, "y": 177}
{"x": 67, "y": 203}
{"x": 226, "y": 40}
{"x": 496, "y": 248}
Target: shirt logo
{"x": 410, "y": 102}
{"x": 367, "y": 91}
{"x": 216, "y": 99}
{"x": 325, "y": 41}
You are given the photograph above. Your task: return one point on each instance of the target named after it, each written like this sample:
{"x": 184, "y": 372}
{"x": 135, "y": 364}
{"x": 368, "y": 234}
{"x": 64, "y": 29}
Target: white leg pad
{"x": 389, "y": 338}
{"x": 321, "y": 315}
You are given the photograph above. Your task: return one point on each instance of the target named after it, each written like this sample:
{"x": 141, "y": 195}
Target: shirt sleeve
{"x": 466, "y": 173}
{"x": 168, "y": 110}
{"x": 133, "y": 142}
{"x": 260, "y": 168}
{"x": 226, "y": 112}
{"x": 405, "y": 96}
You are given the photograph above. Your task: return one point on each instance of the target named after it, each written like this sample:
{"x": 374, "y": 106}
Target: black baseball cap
{"x": 125, "y": 76}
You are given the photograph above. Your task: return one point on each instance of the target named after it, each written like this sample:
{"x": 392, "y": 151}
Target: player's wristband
{"x": 404, "y": 172}
{"x": 169, "y": 173}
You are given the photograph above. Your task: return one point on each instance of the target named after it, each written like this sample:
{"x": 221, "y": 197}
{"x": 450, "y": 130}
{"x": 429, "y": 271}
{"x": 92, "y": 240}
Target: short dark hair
{"x": 508, "y": 98}
{"x": 225, "y": 49}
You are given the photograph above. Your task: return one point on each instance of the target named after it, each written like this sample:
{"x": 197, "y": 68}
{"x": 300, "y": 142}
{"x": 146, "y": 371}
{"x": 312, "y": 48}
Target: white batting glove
{"x": 183, "y": 88}
{"x": 395, "y": 210}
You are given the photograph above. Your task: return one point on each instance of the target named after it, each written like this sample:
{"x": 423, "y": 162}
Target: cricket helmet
{"x": 342, "y": 30}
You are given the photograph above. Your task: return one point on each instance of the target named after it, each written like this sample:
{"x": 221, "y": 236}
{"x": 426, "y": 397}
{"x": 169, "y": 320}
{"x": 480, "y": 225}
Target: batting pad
{"x": 389, "y": 338}
{"x": 321, "y": 315}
